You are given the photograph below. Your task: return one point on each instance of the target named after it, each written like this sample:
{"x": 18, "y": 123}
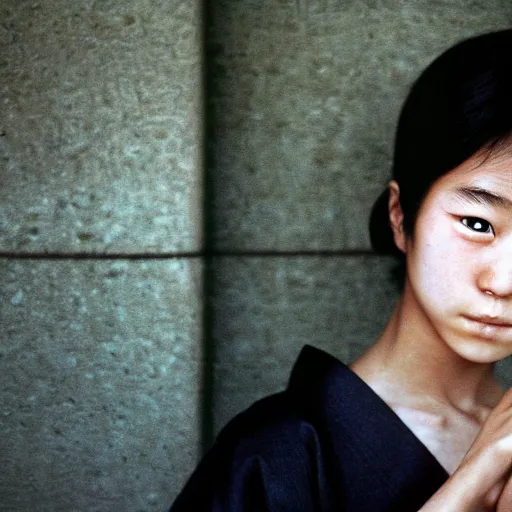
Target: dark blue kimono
{"x": 326, "y": 443}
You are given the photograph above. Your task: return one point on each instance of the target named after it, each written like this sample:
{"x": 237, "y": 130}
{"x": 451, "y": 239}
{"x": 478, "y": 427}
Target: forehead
{"x": 492, "y": 173}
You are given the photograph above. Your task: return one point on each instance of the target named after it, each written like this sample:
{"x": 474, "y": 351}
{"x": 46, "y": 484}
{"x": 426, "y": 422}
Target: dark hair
{"x": 460, "y": 105}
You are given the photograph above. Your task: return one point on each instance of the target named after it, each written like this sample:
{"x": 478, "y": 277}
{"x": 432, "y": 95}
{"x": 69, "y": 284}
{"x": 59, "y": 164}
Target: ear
{"x": 396, "y": 216}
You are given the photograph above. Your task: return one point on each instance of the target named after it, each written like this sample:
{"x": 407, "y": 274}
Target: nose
{"x": 496, "y": 278}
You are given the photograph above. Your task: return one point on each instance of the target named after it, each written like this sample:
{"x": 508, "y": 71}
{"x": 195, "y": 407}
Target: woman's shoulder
{"x": 270, "y": 454}
{"x": 267, "y": 426}
{"x": 263, "y": 459}
{"x": 295, "y": 413}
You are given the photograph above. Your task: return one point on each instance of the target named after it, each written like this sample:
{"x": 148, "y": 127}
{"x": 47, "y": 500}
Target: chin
{"x": 482, "y": 344}
{"x": 481, "y": 351}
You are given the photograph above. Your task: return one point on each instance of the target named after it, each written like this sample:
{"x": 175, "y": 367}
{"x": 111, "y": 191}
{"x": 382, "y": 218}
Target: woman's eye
{"x": 477, "y": 224}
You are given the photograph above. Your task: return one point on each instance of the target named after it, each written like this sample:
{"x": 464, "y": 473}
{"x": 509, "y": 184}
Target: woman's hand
{"x": 482, "y": 482}
{"x": 505, "y": 498}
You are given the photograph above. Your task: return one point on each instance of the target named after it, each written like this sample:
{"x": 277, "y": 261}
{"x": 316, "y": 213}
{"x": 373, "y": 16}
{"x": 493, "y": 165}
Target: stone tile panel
{"x": 100, "y": 126}
{"x": 265, "y": 309}
{"x": 305, "y": 97}
{"x": 99, "y": 383}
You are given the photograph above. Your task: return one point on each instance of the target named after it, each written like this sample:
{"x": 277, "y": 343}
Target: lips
{"x": 487, "y": 320}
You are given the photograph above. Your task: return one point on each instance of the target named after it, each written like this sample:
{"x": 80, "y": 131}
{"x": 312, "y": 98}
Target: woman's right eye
{"x": 477, "y": 224}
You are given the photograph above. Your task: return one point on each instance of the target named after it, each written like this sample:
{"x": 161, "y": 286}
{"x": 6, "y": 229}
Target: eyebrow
{"x": 483, "y": 197}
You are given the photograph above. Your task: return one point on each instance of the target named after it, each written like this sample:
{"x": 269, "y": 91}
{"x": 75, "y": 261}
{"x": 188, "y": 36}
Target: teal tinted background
{"x": 183, "y": 204}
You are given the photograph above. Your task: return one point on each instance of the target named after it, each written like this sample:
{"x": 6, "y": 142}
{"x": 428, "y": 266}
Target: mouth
{"x": 490, "y": 321}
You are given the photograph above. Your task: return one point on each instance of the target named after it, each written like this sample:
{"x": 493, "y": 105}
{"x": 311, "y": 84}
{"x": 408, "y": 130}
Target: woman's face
{"x": 459, "y": 260}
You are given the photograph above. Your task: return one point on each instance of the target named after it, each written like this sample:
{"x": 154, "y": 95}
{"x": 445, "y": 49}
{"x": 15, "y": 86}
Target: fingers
{"x": 505, "y": 402}
{"x": 505, "y": 498}
{"x": 493, "y": 496}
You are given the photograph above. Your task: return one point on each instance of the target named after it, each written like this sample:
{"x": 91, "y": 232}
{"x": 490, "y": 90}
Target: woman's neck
{"x": 443, "y": 398}
{"x": 411, "y": 363}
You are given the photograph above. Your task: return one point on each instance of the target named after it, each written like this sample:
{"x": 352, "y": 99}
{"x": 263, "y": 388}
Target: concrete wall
{"x": 100, "y": 242}
{"x": 106, "y": 277}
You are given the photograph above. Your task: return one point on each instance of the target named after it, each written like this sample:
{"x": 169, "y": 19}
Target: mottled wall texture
{"x": 101, "y": 242}
{"x": 108, "y": 274}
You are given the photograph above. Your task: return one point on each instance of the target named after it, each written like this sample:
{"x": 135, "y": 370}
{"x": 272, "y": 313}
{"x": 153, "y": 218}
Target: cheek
{"x": 442, "y": 267}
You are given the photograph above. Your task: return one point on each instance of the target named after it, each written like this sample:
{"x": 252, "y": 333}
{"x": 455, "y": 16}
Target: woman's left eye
{"x": 477, "y": 224}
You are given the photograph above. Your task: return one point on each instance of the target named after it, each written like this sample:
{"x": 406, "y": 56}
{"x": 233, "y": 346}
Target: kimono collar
{"x": 372, "y": 448}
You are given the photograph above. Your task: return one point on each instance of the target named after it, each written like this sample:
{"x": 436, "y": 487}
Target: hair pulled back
{"x": 461, "y": 104}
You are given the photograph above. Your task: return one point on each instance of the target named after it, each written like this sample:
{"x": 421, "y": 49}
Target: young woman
{"x": 418, "y": 422}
